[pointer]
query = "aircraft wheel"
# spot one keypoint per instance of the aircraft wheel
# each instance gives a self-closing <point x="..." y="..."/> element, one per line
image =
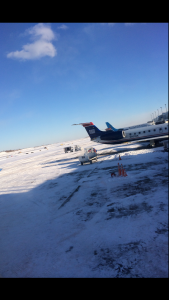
<point x="91" y="162"/>
<point x="81" y="163"/>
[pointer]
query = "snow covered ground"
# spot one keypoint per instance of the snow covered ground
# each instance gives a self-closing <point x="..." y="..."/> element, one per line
<point x="61" y="219"/>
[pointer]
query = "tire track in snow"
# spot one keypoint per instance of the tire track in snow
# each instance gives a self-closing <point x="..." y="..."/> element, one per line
<point x="77" y="188"/>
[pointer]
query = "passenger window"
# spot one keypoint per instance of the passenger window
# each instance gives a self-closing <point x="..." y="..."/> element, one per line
<point x="139" y="132"/>
<point x="143" y="131"/>
<point x="149" y="131"/>
<point x="154" y="129"/>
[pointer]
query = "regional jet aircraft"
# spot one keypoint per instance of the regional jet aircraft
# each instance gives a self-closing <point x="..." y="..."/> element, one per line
<point x="153" y="134"/>
<point x="110" y="127"/>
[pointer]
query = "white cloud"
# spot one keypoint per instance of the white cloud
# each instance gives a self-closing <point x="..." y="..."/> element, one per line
<point x="63" y="27"/>
<point x="42" y="34"/>
<point x="44" y="31"/>
<point x="35" y="50"/>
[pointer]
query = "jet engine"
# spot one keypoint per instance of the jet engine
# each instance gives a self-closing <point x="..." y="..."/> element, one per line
<point x="123" y="134"/>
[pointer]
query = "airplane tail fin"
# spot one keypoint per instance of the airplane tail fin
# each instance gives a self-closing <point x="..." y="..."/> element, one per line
<point x="94" y="132"/>
<point x="91" y="129"/>
<point x="111" y="127"/>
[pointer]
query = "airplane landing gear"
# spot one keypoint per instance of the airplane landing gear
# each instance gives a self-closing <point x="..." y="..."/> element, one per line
<point x="154" y="144"/>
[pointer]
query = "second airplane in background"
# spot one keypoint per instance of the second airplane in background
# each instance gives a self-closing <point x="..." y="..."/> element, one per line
<point x="110" y="127"/>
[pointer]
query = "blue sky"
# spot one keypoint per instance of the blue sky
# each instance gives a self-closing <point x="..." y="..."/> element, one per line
<point x="54" y="75"/>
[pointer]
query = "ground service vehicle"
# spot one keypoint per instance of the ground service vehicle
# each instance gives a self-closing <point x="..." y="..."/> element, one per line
<point x="90" y="154"/>
<point x="67" y="149"/>
<point x="78" y="148"/>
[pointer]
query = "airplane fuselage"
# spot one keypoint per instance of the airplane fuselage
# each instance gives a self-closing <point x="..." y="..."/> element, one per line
<point x="152" y="132"/>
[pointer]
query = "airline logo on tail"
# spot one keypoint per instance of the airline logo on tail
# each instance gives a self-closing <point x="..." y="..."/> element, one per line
<point x="91" y="131"/>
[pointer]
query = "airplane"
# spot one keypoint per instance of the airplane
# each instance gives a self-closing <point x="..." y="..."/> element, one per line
<point x="153" y="134"/>
<point x="110" y="127"/>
